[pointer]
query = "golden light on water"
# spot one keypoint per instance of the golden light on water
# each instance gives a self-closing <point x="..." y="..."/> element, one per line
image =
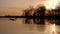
<point x="51" y="4"/>
<point x="53" y="27"/>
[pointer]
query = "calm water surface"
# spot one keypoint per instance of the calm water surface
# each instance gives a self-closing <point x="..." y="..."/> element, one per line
<point x="19" y="26"/>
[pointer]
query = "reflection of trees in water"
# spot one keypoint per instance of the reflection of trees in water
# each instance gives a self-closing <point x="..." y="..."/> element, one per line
<point x="38" y="21"/>
<point x="28" y="21"/>
<point x="52" y="21"/>
<point x="34" y="21"/>
<point x="42" y="21"/>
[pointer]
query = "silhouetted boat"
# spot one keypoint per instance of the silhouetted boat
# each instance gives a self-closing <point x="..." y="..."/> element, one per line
<point x="13" y="19"/>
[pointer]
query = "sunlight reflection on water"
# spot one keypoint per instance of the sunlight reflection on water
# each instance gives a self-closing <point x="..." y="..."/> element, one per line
<point x="18" y="27"/>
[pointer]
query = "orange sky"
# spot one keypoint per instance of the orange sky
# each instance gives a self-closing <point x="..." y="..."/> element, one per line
<point x="18" y="3"/>
<point x="15" y="6"/>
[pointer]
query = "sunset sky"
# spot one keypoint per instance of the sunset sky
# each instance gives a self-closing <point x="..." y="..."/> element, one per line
<point x="14" y="6"/>
<point x="18" y="3"/>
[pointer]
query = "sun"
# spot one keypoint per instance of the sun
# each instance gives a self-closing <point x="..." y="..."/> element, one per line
<point x="51" y="4"/>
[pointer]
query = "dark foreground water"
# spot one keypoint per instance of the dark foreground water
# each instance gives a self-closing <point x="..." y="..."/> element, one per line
<point x="28" y="26"/>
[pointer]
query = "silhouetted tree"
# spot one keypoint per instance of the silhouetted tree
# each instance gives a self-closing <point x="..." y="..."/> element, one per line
<point x="28" y="12"/>
<point x="40" y="11"/>
<point x="58" y="8"/>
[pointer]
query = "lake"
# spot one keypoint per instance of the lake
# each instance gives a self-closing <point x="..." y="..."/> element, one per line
<point x="28" y="26"/>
